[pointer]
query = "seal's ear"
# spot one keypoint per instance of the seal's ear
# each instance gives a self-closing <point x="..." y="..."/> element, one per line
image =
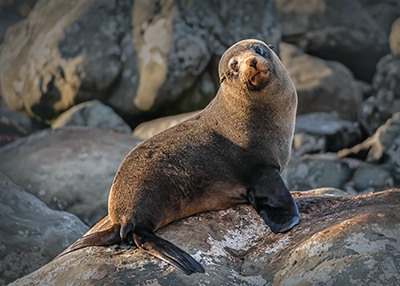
<point x="222" y="79"/>
<point x="271" y="46"/>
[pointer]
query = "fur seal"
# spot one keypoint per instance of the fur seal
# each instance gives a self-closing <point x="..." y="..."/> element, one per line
<point x="230" y="153"/>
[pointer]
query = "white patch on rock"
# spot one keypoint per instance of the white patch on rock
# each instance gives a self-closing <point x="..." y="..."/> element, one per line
<point x="248" y="280"/>
<point x="314" y="247"/>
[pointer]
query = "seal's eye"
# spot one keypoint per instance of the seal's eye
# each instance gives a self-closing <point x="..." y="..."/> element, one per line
<point x="260" y="51"/>
<point x="234" y="65"/>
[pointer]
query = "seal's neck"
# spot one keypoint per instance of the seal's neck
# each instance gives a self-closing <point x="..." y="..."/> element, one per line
<point x="246" y="119"/>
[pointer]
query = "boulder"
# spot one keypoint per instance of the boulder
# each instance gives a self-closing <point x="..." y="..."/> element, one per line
<point x="321" y="85"/>
<point x="13" y="125"/>
<point x="322" y="132"/>
<point x="365" y="88"/>
<point x="148" y="129"/>
<point x="375" y="110"/>
<point x="13" y="11"/>
<point x="337" y="30"/>
<point x="370" y="178"/>
<point x="382" y="147"/>
<point x="69" y="169"/>
<point x="138" y="56"/>
<point x="395" y="37"/>
<point x="93" y="114"/>
<point x="31" y="234"/>
<point x="384" y="12"/>
<point x="339" y="241"/>
<point x="316" y="171"/>
<point x="329" y="170"/>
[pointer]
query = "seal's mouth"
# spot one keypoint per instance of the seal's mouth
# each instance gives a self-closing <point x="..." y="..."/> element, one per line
<point x="258" y="79"/>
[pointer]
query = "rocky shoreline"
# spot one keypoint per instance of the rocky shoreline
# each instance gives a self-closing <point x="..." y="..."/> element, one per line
<point x="83" y="83"/>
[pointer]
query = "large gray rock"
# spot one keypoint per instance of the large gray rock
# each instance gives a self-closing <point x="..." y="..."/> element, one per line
<point x="384" y="12"/>
<point x="31" y="234"/>
<point x="385" y="101"/>
<point x="329" y="170"/>
<point x="93" y="114"/>
<point x="140" y="56"/>
<point x="321" y="85"/>
<point x="13" y="125"/>
<point x="148" y="129"/>
<point x="337" y="30"/>
<point x="339" y="241"/>
<point x="382" y="147"/>
<point x="13" y="11"/>
<point x="69" y="169"/>
<point x="316" y="171"/>
<point x="322" y="132"/>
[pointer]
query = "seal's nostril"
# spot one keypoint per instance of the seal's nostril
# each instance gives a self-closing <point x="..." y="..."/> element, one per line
<point x="253" y="63"/>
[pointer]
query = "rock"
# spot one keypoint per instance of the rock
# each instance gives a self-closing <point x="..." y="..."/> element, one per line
<point x="326" y="192"/>
<point x="395" y="37"/>
<point x="139" y="56"/>
<point x="150" y="128"/>
<point x="333" y="171"/>
<point x="323" y="132"/>
<point x="382" y="147"/>
<point x="31" y="234"/>
<point x="384" y="12"/>
<point x="13" y="11"/>
<point x="69" y="169"/>
<point x="93" y="114"/>
<point x="365" y="88"/>
<point x="337" y="30"/>
<point x="385" y="101"/>
<point x="370" y="178"/>
<point x="316" y="171"/>
<point x="13" y="125"/>
<point x="321" y="85"/>
<point x="339" y="241"/>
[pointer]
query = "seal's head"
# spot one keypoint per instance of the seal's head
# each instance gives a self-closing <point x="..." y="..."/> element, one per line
<point x="251" y="65"/>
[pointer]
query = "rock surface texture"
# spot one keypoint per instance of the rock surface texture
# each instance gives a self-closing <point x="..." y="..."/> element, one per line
<point x="92" y="114"/>
<point x="321" y="85"/>
<point x="337" y="30"/>
<point x="139" y="56"/>
<point x="31" y="234"/>
<point x="111" y="67"/>
<point x="13" y="125"/>
<point x="13" y="11"/>
<point x="69" y="169"/>
<point x="375" y="110"/>
<point x="339" y="241"/>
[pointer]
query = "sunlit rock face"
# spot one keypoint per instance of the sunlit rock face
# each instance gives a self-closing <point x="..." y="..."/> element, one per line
<point x="140" y="57"/>
<point x="339" y="240"/>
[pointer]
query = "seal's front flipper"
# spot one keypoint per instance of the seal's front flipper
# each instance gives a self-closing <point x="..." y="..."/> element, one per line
<point x="270" y="197"/>
<point x="164" y="250"/>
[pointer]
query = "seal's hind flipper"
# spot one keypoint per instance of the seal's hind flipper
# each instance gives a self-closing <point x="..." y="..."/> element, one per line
<point x="270" y="197"/>
<point x="99" y="238"/>
<point x="165" y="250"/>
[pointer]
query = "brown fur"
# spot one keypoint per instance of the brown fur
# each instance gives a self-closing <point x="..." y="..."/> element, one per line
<point x="232" y="152"/>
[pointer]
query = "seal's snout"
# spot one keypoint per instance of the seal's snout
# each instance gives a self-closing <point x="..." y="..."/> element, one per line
<point x="252" y="62"/>
<point x="255" y="71"/>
